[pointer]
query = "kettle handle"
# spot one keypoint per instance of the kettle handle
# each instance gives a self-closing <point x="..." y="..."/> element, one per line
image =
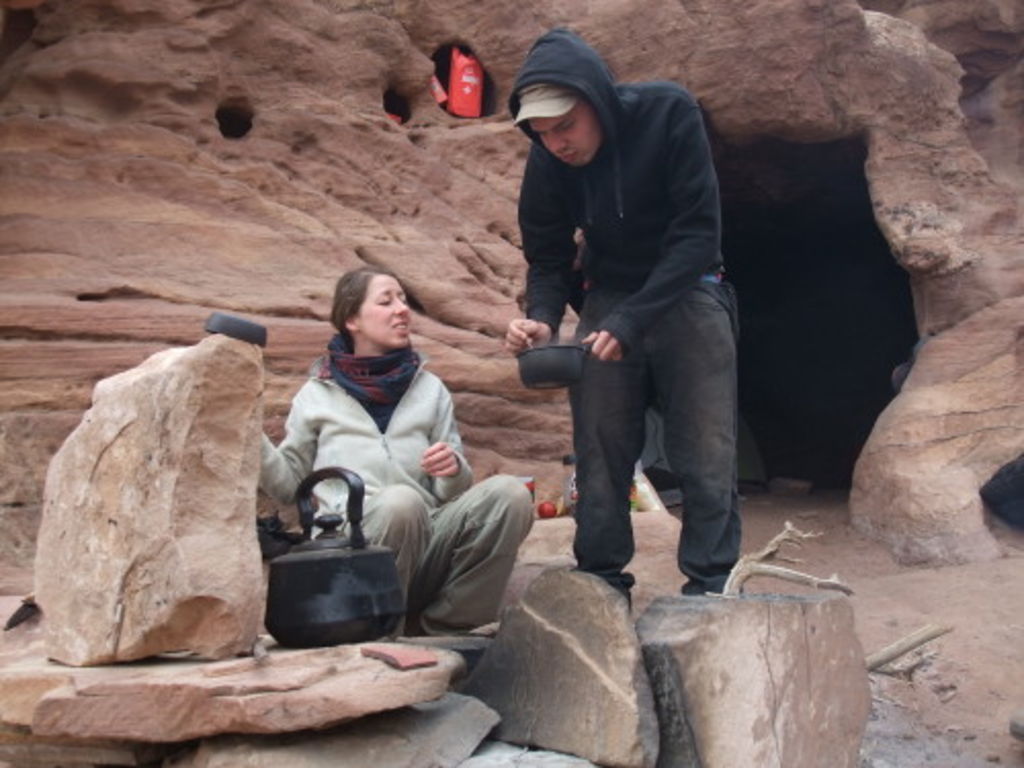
<point x="353" y="510"/>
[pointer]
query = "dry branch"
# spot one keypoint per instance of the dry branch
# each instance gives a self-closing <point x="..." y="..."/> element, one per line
<point x="790" y="534"/>
<point x="754" y="565"/>
<point x="743" y="572"/>
<point x="905" y="645"/>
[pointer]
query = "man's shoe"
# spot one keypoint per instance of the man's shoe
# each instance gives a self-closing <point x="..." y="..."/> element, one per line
<point x="694" y="588"/>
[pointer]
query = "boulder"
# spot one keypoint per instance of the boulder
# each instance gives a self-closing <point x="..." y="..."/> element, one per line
<point x="916" y="483"/>
<point x="773" y="681"/>
<point x="150" y="507"/>
<point x="566" y="674"/>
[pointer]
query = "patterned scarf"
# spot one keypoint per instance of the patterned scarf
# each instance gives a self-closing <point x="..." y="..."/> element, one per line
<point x="378" y="383"/>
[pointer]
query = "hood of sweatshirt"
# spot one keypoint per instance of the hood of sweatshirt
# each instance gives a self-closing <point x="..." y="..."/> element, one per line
<point x="561" y="57"/>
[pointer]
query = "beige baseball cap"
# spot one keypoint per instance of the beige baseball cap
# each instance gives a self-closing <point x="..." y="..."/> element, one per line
<point x="544" y="100"/>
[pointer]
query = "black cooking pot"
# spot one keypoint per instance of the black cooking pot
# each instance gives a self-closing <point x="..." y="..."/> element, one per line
<point x="330" y="590"/>
<point x="554" y="365"/>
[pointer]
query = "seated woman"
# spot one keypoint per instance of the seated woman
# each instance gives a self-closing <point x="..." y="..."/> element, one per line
<point x="370" y="406"/>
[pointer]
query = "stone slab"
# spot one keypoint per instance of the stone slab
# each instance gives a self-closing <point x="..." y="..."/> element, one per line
<point x="170" y="700"/>
<point x="21" y="748"/>
<point x="436" y="734"/>
<point x="566" y="674"/>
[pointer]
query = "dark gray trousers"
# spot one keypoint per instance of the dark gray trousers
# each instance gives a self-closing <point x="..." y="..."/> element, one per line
<point x="685" y="367"/>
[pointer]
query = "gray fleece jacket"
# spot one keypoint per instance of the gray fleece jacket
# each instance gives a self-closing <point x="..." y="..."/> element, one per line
<point x="328" y="427"/>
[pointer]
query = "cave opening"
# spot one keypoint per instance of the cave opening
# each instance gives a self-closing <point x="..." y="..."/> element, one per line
<point x="16" y="27"/>
<point x="826" y="313"/>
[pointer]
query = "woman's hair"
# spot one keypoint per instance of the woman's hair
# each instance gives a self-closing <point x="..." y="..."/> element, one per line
<point x="349" y="295"/>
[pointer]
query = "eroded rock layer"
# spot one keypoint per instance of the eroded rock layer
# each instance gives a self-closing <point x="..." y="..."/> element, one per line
<point x="162" y="160"/>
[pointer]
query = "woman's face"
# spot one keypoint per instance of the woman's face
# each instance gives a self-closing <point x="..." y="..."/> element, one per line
<point x="382" y="323"/>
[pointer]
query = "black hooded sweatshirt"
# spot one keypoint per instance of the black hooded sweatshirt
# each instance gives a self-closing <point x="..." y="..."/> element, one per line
<point x="647" y="203"/>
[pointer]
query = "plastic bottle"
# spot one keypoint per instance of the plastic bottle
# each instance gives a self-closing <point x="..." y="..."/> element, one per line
<point x="646" y="497"/>
<point x="569" y="494"/>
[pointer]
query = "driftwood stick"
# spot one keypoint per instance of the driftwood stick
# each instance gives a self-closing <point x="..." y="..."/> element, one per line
<point x="754" y="565"/>
<point x="910" y="642"/>
<point x="744" y="571"/>
<point x="790" y="534"/>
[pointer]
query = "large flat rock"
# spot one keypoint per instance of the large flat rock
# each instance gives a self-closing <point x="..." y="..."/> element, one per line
<point x="436" y="734"/>
<point x="167" y="700"/>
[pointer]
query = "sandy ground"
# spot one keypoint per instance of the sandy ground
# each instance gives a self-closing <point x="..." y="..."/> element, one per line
<point x="952" y="707"/>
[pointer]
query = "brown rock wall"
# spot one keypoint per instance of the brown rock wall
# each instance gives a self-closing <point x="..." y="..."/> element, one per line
<point x="126" y="215"/>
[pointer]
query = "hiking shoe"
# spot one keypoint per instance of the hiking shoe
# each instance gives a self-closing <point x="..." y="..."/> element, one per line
<point x="1017" y="724"/>
<point x="694" y="588"/>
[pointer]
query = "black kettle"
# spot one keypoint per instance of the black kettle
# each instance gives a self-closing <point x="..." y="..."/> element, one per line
<point x="330" y="590"/>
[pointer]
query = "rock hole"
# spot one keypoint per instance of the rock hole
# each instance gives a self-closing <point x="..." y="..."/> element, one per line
<point x="234" y="119"/>
<point x="466" y="88"/>
<point x="396" y="106"/>
<point x="119" y="292"/>
<point x="16" y="28"/>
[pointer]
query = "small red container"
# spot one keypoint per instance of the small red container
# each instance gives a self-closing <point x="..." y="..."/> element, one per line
<point x="465" y="85"/>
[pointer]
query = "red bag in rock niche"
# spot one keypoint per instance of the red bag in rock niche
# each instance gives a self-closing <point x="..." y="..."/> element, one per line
<point x="465" y="85"/>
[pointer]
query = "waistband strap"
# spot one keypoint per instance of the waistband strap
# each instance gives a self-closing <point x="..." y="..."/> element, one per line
<point x="709" y="277"/>
<point x="712" y="277"/>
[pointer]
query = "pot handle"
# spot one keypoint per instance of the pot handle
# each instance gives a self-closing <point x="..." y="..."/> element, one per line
<point x="353" y="510"/>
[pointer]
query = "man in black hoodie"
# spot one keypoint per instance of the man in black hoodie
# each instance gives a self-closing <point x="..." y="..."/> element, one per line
<point x="629" y="166"/>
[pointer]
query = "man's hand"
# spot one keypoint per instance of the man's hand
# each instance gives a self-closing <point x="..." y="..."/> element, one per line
<point x="439" y="460"/>
<point x="604" y="346"/>
<point x="523" y="334"/>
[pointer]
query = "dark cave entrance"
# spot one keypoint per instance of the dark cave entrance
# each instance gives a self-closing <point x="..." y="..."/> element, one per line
<point x="825" y="311"/>
<point x="16" y="27"/>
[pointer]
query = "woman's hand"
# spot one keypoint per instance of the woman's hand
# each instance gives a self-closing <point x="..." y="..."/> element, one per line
<point x="523" y="333"/>
<point x="439" y="460"/>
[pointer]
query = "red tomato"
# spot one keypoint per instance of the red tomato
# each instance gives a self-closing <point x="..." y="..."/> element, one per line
<point x="546" y="509"/>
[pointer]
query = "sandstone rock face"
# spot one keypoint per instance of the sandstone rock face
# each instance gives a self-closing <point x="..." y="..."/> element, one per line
<point x="147" y="542"/>
<point x="986" y="38"/>
<point x="773" y="681"/>
<point x="916" y="484"/>
<point x="568" y="654"/>
<point x="160" y="161"/>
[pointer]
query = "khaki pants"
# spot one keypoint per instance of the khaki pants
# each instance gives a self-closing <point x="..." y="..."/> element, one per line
<point x="454" y="561"/>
